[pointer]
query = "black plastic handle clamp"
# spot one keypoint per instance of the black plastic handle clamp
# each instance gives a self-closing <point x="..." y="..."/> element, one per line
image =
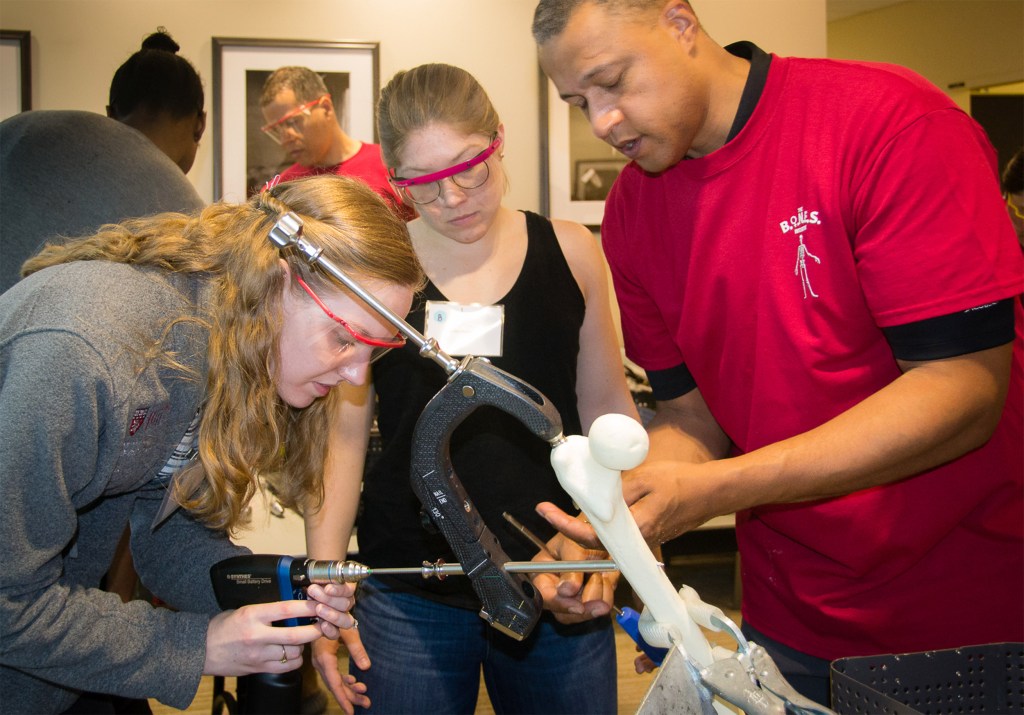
<point x="509" y="601"/>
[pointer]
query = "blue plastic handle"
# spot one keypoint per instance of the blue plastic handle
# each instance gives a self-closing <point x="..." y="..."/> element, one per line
<point x="630" y="622"/>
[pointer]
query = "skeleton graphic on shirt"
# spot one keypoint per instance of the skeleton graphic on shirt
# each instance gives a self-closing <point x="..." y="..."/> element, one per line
<point x="797" y="224"/>
<point x="802" y="252"/>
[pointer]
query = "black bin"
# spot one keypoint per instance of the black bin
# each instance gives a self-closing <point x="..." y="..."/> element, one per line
<point x="982" y="679"/>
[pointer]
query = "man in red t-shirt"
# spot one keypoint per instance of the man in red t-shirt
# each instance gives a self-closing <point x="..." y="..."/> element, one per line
<point x="814" y="267"/>
<point x="301" y="117"/>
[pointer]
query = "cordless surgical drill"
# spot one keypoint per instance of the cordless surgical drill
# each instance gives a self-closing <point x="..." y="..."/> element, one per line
<point x="265" y="578"/>
<point x="243" y="580"/>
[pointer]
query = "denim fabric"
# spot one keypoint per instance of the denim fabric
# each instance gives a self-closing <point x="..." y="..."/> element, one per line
<point x="426" y="658"/>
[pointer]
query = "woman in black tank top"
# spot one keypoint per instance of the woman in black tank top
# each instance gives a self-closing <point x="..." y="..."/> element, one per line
<point x="532" y="296"/>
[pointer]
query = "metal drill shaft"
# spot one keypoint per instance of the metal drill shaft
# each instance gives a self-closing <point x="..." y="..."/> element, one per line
<point x="441" y="569"/>
<point x="336" y="571"/>
<point x="525" y="531"/>
<point x="352" y="571"/>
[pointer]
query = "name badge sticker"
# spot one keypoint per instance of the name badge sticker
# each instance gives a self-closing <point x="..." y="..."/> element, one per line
<point x="461" y="330"/>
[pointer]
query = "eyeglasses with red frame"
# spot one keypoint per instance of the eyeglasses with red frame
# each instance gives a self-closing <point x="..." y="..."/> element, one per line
<point x="380" y="345"/>
<point x="295" y="120"/>
<point x="470" y="174"/>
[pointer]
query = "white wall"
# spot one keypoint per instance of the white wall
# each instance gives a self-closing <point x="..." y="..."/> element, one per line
<point x="78" y="44"/>
<point x="950" y="42"/>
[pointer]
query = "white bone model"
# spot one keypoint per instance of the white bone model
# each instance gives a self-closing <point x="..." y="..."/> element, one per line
<point x="589" y="470"/>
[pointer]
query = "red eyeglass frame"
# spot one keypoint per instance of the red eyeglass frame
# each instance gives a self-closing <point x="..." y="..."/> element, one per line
<point x="294" y="113"/>
<point x="480" y="158"/>
<point x="395" y="342"/>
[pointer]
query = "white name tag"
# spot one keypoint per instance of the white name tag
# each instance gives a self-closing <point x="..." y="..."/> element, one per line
<point x="465" y="329"/>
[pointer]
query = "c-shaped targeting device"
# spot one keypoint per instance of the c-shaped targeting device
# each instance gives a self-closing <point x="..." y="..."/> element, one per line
<point x="508" y="600"/>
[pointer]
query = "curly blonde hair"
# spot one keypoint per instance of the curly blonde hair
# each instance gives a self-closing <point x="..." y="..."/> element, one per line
<point x="246" y="429"/>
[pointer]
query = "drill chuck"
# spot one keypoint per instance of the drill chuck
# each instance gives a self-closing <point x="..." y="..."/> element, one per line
<point x="336" y="571"/>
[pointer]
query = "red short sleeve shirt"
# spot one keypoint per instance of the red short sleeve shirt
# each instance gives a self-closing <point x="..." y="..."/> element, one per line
<point x="857" y="197"/>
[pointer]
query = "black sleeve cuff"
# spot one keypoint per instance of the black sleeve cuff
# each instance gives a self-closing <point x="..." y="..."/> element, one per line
<point x="968" y="331"/>
<point x="671" y="383"/>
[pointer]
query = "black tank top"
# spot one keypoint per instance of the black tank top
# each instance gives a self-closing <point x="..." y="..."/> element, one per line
<point x="502" y="465"/>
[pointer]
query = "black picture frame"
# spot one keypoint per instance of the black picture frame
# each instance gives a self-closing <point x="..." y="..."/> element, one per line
<point x="16" y="61"/>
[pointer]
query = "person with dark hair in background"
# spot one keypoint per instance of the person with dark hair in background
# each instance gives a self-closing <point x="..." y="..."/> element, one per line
<point x="302" y="117"/>
<point x="64" y="173"/>
<point x="1013" y="192"/>
<point x="159" y="93"/>
<point x="814" y="267"/>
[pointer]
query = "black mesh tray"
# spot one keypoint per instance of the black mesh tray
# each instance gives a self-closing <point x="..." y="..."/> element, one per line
<point x="983" y="679"/>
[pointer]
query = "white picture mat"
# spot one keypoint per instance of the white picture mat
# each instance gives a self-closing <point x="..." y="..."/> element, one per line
<point x="560" y="178"/>
<point x="10" y="78"/>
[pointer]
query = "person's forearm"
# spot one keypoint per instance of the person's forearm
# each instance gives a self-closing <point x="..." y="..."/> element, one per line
<point x="934" y="413"/>
<point x="683" y="430"/>
<point x="610" y="398"/>
<point x="600" y="377"/>
<point x="329" y="527"/>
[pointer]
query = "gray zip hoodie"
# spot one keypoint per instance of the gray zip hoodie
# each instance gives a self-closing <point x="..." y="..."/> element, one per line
<point x="87" y="419"/>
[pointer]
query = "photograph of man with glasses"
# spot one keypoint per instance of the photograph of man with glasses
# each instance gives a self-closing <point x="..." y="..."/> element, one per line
<point x="303" y="119"/>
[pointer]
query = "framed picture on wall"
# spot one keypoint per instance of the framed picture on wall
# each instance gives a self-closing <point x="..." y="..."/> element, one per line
<point x="244" y="157"/>
<point x="593" y="178"/>
<point x="577" y="168"/>
<point x="15" y="72"/>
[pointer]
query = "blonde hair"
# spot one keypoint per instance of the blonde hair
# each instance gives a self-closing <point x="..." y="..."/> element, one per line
<point x="246" y="429"/>
<point x="431" y="93"/>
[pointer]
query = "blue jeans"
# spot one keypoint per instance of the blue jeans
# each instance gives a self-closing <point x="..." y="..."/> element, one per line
<point x="426" y="658"/>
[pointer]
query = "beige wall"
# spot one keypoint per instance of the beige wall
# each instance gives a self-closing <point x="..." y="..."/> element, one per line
<point x="77" y="45"/>
<point x="950" y="42"/>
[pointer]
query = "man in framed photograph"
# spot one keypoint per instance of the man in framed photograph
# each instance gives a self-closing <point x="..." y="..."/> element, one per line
<point x="302" y="117"/>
